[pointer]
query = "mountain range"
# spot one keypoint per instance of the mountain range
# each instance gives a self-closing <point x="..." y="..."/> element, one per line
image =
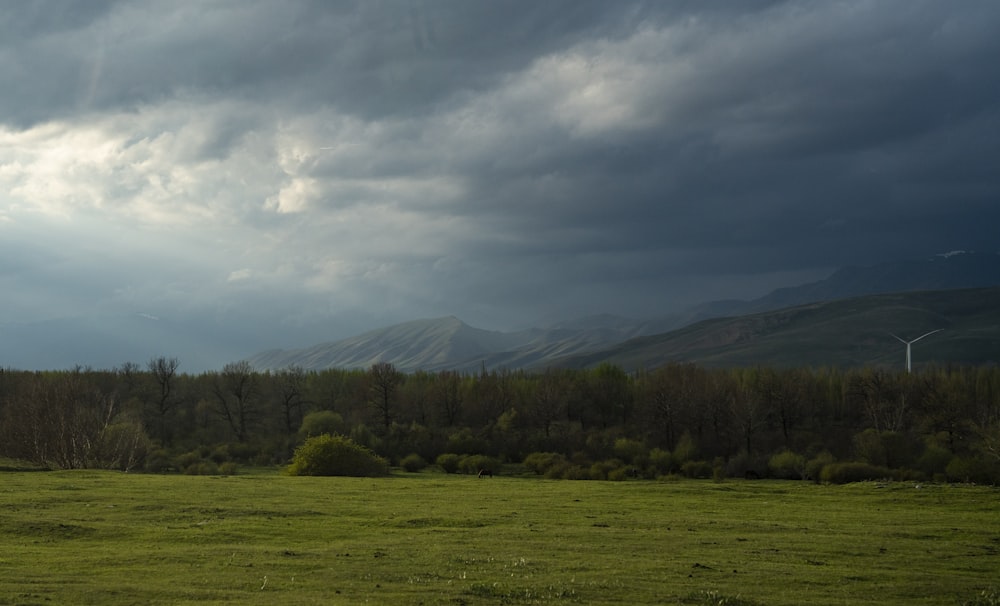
<point x="845" y="319"/>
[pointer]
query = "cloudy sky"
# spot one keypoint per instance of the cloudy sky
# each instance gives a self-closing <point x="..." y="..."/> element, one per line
<point x="294" y="172"/>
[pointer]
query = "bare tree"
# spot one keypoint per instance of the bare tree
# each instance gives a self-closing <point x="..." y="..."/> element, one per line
<point x="494" y="394"/>
<point x="236" y="393"/>
<point x="448" y="396"/>
<point x="129" y="373"/>
<point x="383" y="380"/>
<point x="292" y="382"/>
<point x="164" y="372"/>
<point x="551" y="395"/>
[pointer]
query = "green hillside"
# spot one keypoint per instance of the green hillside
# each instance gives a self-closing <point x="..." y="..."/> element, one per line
<point x="848" y="332"/>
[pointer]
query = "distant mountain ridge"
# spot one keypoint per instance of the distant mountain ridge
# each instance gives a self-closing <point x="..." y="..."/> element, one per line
<point x="443" y="343"/>
<point x="952" y="270"/>
<point x="206" y="343"/>
<point x="844" y="332"/>
<point x="449" y="343"/>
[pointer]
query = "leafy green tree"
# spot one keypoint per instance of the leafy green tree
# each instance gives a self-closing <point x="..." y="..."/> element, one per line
<point x="321" y="422"/>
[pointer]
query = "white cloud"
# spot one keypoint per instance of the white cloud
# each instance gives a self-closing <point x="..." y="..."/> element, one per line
<point x="239" y="275"/>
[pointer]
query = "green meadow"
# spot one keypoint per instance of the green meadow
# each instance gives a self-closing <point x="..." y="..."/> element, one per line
<point x="97" y="537"/>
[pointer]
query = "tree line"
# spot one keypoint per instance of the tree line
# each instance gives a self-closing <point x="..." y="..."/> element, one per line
<point x="938" y="423"/>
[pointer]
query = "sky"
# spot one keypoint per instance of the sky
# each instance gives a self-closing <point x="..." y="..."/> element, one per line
<point x="278" y="174"/>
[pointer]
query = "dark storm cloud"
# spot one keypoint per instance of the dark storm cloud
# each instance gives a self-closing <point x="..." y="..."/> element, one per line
<point x="319" y="160"/>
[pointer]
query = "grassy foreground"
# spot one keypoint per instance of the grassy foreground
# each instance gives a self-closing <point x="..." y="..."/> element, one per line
<point x="89" y="537"/>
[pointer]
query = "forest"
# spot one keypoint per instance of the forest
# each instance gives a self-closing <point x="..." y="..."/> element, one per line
<point x="823" y="424"/>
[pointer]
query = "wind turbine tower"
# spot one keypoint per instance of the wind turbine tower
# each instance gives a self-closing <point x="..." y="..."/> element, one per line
<point x="909" y="343"/>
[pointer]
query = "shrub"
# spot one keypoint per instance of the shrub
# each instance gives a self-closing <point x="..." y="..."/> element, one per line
<point x="631" y="451"/>
<point x="814" y="467"/>
<point x="465" y="442"/>
<point x="448" y="462"/>
<point x="971" y="469"/>
<point x="719" y="470"/>
<point x="686" y="449"/>
<point x="869" y="448"/>
<point x="601" y="469"/>
<point x="228" y="468"/>
<point x="620" y="474"/>
<point x="697" y="469"/>
<point x="122" y="446"/>
<point x="739" y="465"/>
<point x="472" y="464"/>
<point x="934" y="460"/>
<point x="574" y="472"/>
<point x="661" y="460"/>
<point x="327" y="455"/>
<point x="844" y="473"/>
<point x="787" y="465"/>
<point x="220" y="454"/>
<point x="564" y="470"/>
<point x="183" y="461"/>
<point x="413" y="463"/>
<point x="159" y="461"/>
<point x="541" y="462"/>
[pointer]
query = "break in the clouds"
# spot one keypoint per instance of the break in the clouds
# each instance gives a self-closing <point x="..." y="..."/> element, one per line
<point x="290" y="172"/>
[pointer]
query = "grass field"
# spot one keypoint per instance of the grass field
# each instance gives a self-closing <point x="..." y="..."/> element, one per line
<point x="89" y="537"/>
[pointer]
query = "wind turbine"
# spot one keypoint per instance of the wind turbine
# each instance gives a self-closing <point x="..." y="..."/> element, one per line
<point x="909" y="343"/>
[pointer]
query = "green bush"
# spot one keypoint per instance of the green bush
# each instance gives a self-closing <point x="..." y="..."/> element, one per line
<point x="686" y="449"/>
<point x="464" y="441"/>
<point x="448" y="462"/>
<point x="188" y="459"/>
<point x="661" y="460"/>
<point x="869" y="448"/>
<point x="159" y="461"/>
<point x="327" y="455"/>
<point x="738" y="466"/>
<point x="573" y="472"/>
<point x="565" y="470"/>
<point x="633" y="452"/>
<point x="620" y="474"/>
<point x="787" y="465"/>
<point x="413" y="463"/>
<point x="601" y="469"/>
<point x="541" y="462"/>
<point x="473" y="464"/>
<point x="845" y="473"/>
<point x="974" y="470"/>
<point x="934" y="460"/>
<point x="814" y="468"/>
<point x="228" y="468"/>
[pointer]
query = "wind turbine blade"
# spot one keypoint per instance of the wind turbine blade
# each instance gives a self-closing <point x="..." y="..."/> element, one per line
<point x="900" y="340"/>
<point x="926" y="335"/>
